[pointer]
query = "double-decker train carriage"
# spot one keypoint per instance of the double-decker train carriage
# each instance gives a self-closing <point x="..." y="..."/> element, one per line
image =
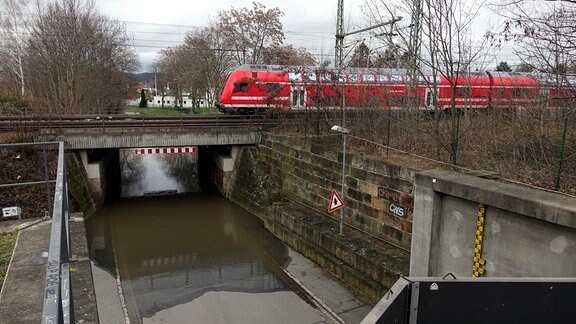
<point x="257" y="88"/>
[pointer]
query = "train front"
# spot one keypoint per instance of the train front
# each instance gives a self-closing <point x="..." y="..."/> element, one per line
<point x="254" y="89"/>
<point x="226" y="105"/>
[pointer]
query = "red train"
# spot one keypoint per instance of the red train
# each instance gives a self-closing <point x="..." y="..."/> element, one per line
<point x="257" y="88"/>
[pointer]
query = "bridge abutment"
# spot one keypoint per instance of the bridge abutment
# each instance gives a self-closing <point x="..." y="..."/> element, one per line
<point x="225" y="162"/>
<point x="101" y="167"/>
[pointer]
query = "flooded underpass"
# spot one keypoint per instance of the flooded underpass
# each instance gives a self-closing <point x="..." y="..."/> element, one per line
<point x="184" y="255"/>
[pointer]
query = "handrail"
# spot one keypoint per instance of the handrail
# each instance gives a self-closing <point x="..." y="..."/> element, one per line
<point x="58" y="306"/>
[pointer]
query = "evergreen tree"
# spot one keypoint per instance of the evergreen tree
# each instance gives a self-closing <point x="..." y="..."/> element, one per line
<point x="503" y="67"/>
<point x="361" y="57"/>
<point x="143" y="101"/>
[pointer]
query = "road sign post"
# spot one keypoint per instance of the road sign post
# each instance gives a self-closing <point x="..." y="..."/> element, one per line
<point x="342" y="131"/>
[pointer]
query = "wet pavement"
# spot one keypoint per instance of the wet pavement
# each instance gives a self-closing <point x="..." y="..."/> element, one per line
<point x="21" y="299"/>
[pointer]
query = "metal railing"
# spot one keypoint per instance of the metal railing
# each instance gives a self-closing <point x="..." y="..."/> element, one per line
<point x="58" y="306"/>
<point x="46" y="181"/>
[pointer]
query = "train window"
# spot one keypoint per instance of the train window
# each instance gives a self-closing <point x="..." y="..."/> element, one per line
<point x="325" y="77"/>
<point x="273" y="88"/>
<point x="516" y="92"/>
<point x="331" y="101"/>
<point x="464" y="91"/>
<point x="316" y="100"/>
<point x="311" y="76"/>
<point x="396" y="79"/>
<point x="501" y="92"/>
<point x="241" y="87"/>
<point x="302" y="98"/>
<point x="294" y="76"/>
<point x="369" y="78"/>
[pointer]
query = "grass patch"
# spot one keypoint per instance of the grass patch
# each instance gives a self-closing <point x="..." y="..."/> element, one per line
<point x="7" y="242"/>
<point x="153" y="111"/>
<point x="171" y="111"/>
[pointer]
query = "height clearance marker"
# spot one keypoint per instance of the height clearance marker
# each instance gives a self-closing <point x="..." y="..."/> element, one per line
<point x="165" y="150"/>
<point x="335" y="202"/>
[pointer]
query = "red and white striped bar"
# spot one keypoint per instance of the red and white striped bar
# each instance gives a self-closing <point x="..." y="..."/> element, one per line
<point x="165" y="150"/>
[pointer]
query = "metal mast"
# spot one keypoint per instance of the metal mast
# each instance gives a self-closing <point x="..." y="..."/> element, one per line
<point x="415" y="43"/>
<point x="339" y="48"/>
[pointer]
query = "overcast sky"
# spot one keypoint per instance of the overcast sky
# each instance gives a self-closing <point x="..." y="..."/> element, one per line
<point x="154" y="24"/>
<point x="157" y="24"/>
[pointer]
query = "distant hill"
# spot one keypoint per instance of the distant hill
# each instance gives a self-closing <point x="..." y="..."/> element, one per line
<point x="142" y="77"/>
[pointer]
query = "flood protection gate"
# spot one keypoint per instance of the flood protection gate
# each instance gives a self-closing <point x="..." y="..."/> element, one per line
<point x="483" y="300"/>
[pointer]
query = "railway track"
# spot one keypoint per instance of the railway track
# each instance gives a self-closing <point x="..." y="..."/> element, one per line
<point x="54" y="123"/>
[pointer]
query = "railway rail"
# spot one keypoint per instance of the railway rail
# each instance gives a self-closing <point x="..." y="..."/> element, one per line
<point x="55" y="123"/>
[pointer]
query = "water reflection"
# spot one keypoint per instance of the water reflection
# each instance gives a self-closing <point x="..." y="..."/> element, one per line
<point x="157" y="174"/>
<point x="177" y="249"/>
<point x="190" y="258"/>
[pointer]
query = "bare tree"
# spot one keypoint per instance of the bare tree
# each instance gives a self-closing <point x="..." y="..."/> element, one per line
<point x="439" y="40"/>
<point x="197" y="67"/>
<point x="206" y="53"/>
<point x="172" y="74"/>
<point x="546" y="36"/>
<point x="13" y="26"/>
<point x="77" y="59"/>
<point x="287" y="55"/>
<point x="249" y="31"/>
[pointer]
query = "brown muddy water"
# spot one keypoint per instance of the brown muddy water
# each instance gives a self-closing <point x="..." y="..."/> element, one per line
<point x="189" y="256"/>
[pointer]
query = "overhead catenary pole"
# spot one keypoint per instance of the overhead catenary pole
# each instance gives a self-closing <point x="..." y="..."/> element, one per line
<point x="339" y="48"/>
<point x="415" y="40"/>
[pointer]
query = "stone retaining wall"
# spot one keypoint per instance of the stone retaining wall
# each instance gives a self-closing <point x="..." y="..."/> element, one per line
<point x="379" y="195"/>
<point x="287" y="182"/>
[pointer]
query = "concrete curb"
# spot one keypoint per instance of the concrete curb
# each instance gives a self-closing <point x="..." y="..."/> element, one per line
<point x="316" y="300"/>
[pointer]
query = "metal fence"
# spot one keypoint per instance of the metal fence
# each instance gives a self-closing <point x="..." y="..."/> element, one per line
<point x="46" y="181"/>
<point x="57" y="305"/>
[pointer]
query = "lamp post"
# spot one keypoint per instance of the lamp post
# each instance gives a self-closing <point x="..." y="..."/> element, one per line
<point x="343" y="131"/>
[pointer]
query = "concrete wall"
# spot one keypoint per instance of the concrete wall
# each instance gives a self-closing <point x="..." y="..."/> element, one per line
<point x="524" y="232"/>
<point x="100" y="173"/>
<point x="141" y="137"/>
<point x="226" y="168"/>
<point x="78" y="185"/>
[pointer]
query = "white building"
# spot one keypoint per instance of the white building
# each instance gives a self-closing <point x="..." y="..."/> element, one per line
<point x="169" y="102"/>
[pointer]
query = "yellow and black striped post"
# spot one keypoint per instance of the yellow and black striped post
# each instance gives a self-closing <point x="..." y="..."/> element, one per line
<point x="478" y="266"/>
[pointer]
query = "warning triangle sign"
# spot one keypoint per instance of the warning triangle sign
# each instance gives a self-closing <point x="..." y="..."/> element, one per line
<point x="335" y="202"/>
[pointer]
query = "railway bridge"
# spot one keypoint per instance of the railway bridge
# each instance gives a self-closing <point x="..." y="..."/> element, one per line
<point x="98" y="138"/>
